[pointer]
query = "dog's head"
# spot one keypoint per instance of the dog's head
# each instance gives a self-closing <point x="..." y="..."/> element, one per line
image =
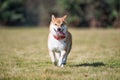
<point x="57" y="26"/>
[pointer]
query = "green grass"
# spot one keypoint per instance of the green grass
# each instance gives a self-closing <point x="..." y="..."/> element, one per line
<point x="95" y="55"/>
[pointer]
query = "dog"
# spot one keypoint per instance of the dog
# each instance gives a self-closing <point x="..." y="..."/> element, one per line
<point x="59" y="41"/>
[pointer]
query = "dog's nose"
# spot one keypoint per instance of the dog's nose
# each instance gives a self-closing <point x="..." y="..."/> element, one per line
<point x="59" y="29"/>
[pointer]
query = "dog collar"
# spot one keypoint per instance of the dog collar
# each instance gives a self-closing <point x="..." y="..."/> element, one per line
<point x="59" y="37"/>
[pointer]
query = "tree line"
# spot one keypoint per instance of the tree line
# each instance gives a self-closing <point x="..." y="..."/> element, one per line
<point x="81" y="13"/>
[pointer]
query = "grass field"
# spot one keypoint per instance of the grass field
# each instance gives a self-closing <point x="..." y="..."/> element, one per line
<point x="95" y="55"/>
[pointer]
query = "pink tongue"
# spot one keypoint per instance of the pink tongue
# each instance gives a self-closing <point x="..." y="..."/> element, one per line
<point x="61" y="33"/>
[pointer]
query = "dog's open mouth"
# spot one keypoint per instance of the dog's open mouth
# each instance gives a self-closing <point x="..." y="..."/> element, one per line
<point x="60" y="33"/>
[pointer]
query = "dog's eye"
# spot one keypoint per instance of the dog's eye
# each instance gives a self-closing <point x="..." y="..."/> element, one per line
<point x="62" y="24"/>
<point x="56" y="24"/>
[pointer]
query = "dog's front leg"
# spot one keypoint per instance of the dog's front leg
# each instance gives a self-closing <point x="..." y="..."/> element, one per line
<point x="65" y="59"/>
<point x="60" y="61"/>
<point x="52" y="56"/>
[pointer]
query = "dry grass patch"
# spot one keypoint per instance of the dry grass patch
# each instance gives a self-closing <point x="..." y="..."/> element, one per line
<point x="95" y="55"/>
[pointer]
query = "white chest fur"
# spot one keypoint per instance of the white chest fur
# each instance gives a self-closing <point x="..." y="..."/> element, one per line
<point x="56" y="45"/>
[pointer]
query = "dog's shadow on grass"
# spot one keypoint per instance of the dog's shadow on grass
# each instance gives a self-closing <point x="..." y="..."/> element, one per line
<point x="94" y="64"/>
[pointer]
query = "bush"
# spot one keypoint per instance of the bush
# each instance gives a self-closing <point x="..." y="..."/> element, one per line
<point x="11" y="12"/>
<point x="98" y="13"/>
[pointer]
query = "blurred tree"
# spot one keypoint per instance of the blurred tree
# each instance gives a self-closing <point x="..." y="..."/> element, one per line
<point x="47" y="8"/>
<point x="116" y="13"/>
<point x="26" y="12"/>
<point x="93" y="13"/>
<point x="11" y="12"/>
<point x="32" y="12"/>
<point x="106" y="12"/>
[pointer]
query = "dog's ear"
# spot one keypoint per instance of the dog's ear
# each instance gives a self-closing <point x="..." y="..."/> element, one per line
<point x="64" y="17"/>
<point x="53" y="17"/>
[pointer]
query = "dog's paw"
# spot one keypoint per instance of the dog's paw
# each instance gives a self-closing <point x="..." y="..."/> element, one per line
<point x="62" y="65"/>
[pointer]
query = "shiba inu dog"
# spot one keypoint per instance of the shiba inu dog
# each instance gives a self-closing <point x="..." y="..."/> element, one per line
<point x="59" y="41"/>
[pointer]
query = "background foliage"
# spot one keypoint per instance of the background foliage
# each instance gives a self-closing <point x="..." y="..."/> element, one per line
<point x="86" y="13"/>
<point x="91" y="12"/>
<point x="11" y="12"/>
